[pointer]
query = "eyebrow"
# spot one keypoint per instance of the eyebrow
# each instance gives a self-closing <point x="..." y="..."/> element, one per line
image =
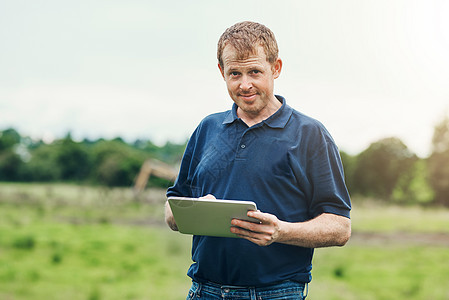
<point x="250" y="68"/>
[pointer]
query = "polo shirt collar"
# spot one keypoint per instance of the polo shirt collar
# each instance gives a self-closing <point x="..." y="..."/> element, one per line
<point x="278" y="120"/>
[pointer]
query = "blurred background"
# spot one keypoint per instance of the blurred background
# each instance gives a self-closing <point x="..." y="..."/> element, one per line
<point x="98" y="99"/>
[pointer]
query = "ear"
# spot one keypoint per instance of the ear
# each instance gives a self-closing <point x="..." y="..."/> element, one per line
<point x="221" y="70"/>
<point x="277" y="67"/>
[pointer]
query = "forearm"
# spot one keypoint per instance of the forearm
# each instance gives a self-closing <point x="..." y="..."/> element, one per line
<point x="169" y="219"/>
<point x="323" y="231"/>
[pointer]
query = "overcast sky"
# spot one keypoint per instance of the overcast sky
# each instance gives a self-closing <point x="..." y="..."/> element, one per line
<point x="148" y="69"/>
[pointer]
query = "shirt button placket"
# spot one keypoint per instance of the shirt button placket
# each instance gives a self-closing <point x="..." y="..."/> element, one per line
<point x="242" y="147"/>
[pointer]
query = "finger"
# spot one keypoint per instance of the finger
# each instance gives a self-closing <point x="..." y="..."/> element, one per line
<point x="250" y="226"/>
<point x="262" y="217"/>
<point x="254" y="230"/>
<point x="247" y="234"/>
<point x="254" y="237"/>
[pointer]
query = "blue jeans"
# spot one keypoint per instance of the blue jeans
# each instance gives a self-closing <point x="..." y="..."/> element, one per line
<point x="211" y="291"/>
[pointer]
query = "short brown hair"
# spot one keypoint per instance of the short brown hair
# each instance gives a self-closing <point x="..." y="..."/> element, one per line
<point x="245" y="37"/>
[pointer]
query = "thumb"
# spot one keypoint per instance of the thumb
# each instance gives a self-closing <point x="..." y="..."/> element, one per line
<point x="257" y="214"/>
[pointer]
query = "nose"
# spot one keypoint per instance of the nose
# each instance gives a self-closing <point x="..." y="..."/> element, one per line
<point x="245" y="83"/>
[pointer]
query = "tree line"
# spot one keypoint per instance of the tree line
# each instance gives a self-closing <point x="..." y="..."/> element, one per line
<point x="101" y="162"/>
<point x="387" y="170"/>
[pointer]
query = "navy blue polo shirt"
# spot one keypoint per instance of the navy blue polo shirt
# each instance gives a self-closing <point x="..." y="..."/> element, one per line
<point x="287" y="164"/>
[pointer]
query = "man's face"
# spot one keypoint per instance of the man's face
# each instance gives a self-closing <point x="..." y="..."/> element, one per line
<point x="250" y="81"/>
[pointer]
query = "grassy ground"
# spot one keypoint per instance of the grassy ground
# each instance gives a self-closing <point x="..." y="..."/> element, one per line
<point x="71" y="242"/>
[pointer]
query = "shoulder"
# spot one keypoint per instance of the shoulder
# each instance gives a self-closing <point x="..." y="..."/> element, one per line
<point x="309" y="127"/>
<point x="305" y="120"/>
<point x="212" y="122"/>
<point x="209" y="126"/>
<point x="215" y="118"/>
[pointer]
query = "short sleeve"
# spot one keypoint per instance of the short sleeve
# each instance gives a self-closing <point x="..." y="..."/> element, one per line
<point x="329" y="193"/>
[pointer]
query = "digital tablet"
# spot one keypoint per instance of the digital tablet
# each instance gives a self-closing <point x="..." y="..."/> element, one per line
<point x="210" y="217"/>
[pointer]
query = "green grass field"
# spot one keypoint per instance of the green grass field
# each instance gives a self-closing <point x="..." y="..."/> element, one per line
<point x="69" y="242"/>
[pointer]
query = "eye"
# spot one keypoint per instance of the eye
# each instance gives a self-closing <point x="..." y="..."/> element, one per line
<point x="255" y="72"/>
<point x="234" y="74"/>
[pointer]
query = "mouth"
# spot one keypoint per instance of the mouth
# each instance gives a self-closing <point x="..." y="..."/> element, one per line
<point x="248" y="98"/>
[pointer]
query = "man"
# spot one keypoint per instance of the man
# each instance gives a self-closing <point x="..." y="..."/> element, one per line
<point x="264" y="151"/>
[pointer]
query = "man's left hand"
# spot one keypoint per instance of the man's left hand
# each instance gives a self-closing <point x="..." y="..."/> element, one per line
<point x="265" y="233"/>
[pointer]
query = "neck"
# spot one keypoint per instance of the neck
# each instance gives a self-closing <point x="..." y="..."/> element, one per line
<point x="252" y="118"/>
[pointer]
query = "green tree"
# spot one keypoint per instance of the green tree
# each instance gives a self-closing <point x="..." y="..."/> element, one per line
<point x="169" y="153"/>
<point x="379" y="167"/>
<point x="349" y="165"/>
<point x="10" y="161"/>
<point x="10" y="165"/>
<point x="9" y="138"/>
<point x="438" y="165"/>
<point x="413" y="187"/>
<point x="73" y="159"/>
<point x="43" y="165"/>
<point x="116" y="163"/>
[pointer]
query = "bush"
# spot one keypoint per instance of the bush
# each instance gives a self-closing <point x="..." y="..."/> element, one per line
<point x="24" y="242"/>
